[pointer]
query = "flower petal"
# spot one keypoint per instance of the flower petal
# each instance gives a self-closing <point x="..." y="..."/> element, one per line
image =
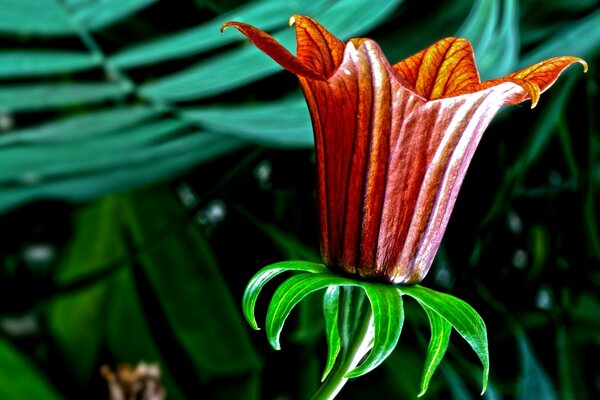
<point x="319" y="52"/>
<point x="441" y="70"/>
<point x="535" y="79"/>
<point x="317" y="47"/>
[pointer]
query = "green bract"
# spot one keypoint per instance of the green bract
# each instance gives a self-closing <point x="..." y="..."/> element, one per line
<point x="386" y="317"/>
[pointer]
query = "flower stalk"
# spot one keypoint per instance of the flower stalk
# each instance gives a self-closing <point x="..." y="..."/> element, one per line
<point x="356" y="336"/>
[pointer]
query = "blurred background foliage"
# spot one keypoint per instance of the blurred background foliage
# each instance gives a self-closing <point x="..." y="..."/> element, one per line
<point x="150" y="165"/>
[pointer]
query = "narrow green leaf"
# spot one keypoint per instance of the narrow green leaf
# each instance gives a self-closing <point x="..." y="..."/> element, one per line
<point x="388" y="318"/>
<point x="267" y="13"/>
<point x="460" y="315"/>
<point x="438" y="344"/>
<point x="36" y="63"/>
<point x="27" y="97"/>
<point x="532" y="379"/>
<point x="20" y="379"/>
<point x="290" y="293"/>
<point x="479" y="26"/>
<point x="331" y="306"/>
<point x="34" y="17"/>
<point x="164" y="161"/>
<point x="124" y="312"/>
<point x="182" y="272"/>
<point x="244" y="65"/>
<point x="78" y="127"/>
<point x="262" y="277"/>
<point x="76" y="319"/>
<point x="569" y="38"/>
<point x="105" y="152"/>
<point x="494" y="36"/>
<point x="283" y="123"/>
<point x="95" y="15"/>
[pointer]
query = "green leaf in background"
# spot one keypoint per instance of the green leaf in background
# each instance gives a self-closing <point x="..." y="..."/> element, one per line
<point x="34" y="17"/>
<point x="21" y="64"/>
<point x="75" y="319"/>
<point x="85" y="173"/>
<point x="168" y="159"/>
<point x="207" y="36"/>
<point x="96" y="15"/>
<point x="184" y="276"/>
<point x="79" y="127"/>
<point x="128" y="335"/>
<point x="241" y="66"/>
<point x="28" y="97"/>
<point x="581" y="39"/>
<point x="533" y="380"/>
<point x="288" y="126"/>
<point x="461" y="316"/>
<point x="20" y="379"/>
<point x="492" y="28"/>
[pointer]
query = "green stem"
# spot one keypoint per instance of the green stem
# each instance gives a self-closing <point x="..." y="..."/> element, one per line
<point x="356" y="333"/>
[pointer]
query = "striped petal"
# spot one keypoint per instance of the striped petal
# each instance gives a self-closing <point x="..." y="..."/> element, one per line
<point x="393" y="143"/>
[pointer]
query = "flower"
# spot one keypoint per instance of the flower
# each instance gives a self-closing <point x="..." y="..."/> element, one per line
<point x="393" y="142"/>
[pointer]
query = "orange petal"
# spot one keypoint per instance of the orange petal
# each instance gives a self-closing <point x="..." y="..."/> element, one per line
<point x="319" y="52"/>
<point x="535" y="79"/>
<point x="443" y="69"/>
<point x="316" y="46"/>
<point x="268" y="45"/>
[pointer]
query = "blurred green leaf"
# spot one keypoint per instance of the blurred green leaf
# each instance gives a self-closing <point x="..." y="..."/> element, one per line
<point x="60" y="18"/>
<point x="269" y="14"/>
<point x="98" y="14"/>
<point x="128" y="335"/>
<point x="494" y="36"/>
<point x="238" y="67"/>
<point x="284" y="123"/>
<point x="20" y="379"/>
<point x="184" y="275"/>
<point x="168" y="159"/>
<point x="34" y="17"/>
<point x="20" y="63"/>
<point x="79" y="127"/>
<point x="104" y="152"/>
<point x="533" y="380"/>
<point x="581" y="38"/>
<point x="22" y="97"/>
<point x="76" y="319"/>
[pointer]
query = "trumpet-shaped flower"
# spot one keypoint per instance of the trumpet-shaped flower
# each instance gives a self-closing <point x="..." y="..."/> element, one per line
<point x="393" y="142"/>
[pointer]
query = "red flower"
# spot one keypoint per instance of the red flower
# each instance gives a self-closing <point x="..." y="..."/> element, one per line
<point x="393" y="142"/>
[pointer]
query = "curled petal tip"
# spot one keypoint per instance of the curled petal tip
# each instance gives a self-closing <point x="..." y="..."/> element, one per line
<point x="225" y="26"/>
<point x="292" y="20"/>
<point x="585" y="65"/>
